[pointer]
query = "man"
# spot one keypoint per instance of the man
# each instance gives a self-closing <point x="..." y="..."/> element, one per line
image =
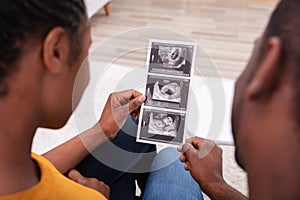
<point x="265" y="119"/>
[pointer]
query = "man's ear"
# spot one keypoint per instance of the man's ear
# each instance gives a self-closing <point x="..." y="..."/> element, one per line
<point x="56" y="50"/>
<point x="267" y="76"/>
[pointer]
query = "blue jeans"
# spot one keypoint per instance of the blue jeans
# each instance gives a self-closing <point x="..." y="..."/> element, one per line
<point x="171" y="182"/>
<point x="122" y="162"/>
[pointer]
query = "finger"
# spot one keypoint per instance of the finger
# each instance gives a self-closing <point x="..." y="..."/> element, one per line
<point x="179" y="149"/>
<point x="186" y="167"/>
<point x="137" y="112"/>
<point x="182" y="158"/>
<point x="185" y="147"/>
<point x="103" y="184"/>
<point x="136" y="93"/>
<point x="136" y="103"/>
<point x="190" y="140"/>
<point x="197" y="142"/>
<point x="126" y="94"/>
<point x="106" y="189"/>
<point x="77" y="177"/>
<point x="182" y="147"/>
<point x="129" y="108"/>
<point x="189" y="151"/>
<point x="129" y="94"/>
<point x="135" y="117"/>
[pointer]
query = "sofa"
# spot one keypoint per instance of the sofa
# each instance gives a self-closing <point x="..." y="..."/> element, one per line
<point x="94" y="5"/>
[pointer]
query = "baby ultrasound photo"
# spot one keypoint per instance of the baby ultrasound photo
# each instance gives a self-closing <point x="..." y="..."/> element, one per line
<point x="163" y="124"/>
<point x="167" y="92"/>
<point x="171" y="91"/>
<point x="171" y="59"/>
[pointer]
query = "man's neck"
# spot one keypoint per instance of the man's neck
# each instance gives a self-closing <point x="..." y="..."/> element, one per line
<point x="274" y="162"/>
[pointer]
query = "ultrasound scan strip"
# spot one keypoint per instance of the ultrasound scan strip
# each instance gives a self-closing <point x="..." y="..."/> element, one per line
<point x="168" y="84"/>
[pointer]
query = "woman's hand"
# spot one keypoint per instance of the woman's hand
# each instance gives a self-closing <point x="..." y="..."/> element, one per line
<point x="118" y="106"/>
<point x="90" y="182"/>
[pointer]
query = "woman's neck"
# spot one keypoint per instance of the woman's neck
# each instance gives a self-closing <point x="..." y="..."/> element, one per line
<point x="18" y="123"/>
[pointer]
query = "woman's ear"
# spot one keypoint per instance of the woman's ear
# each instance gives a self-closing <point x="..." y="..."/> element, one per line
<point x="267" y="76"/>
<point x="56" y="49"/>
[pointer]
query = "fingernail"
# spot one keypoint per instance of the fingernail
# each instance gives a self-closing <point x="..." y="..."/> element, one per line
<point x="180" y="148"/>
<point x="142" y="98"/>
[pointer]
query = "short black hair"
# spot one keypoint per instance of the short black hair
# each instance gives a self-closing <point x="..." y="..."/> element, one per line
<point x="285" y="24"/>
<point x="21" y="19"/>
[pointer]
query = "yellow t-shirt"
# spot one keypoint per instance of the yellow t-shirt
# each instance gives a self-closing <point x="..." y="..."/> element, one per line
<point x="54" y="186"/>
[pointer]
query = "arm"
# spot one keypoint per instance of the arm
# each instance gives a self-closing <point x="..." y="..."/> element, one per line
<point x="223" y="191"/>
<point x="118" y="107"/>
<point x="203" y="159"/>
<point x="67" y="155"/>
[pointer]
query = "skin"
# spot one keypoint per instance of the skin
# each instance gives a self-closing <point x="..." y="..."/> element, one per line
<point x="265" y="131"/>
<point x="40" y="95"/>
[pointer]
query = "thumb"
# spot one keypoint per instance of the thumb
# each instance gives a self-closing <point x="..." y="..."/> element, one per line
<point x="189" y="151"/>
<point x="77" y="177"/>
<point x="135" y="103"/>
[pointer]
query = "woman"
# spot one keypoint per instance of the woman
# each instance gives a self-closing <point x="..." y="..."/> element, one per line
<point x="40" y="56"/>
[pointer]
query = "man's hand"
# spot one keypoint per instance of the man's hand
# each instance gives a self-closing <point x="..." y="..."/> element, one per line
<point x="90" y="182"/>
<point x="203" y="158"/>
<point x="118" y="106"/>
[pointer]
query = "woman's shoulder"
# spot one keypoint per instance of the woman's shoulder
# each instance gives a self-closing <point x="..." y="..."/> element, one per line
<point x="54" y="185"/>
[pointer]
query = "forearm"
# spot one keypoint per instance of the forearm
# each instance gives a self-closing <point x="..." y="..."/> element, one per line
<point x="223" y="191"/>
<point x="69" y="154"/>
